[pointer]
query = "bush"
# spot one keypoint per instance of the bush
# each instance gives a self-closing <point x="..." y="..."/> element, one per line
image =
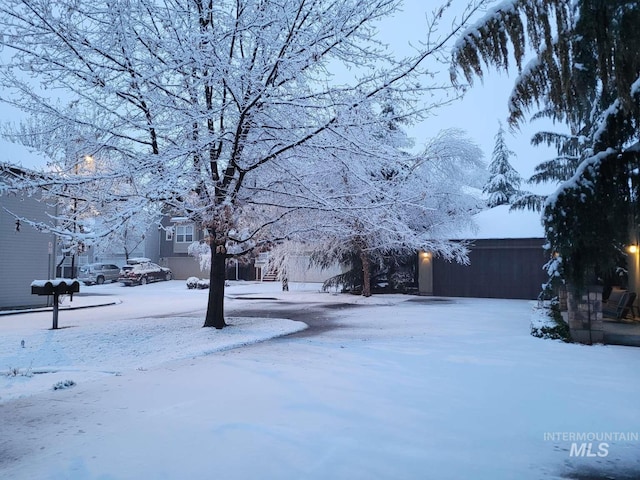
<point x="16" y="372"/>
<point x="200" y="283"/>
<point x="549" y="323"/>
<point x="64" y="384"/>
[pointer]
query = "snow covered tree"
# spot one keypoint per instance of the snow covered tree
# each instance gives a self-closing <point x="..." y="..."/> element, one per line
<point x="129" y="235"/>
<point x="557" y="170"/>
<point x="393" y="204"/>
<point x="201" y="103"/>
<point x="504" y="181"/>
<point x="585" y="72"/>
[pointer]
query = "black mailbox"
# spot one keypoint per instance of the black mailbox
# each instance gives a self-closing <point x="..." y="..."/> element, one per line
<point x="60" y="286"/>
<point x="55" y="287"/>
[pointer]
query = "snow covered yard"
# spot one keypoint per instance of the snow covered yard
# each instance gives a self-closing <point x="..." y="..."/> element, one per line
<point x="399" y="387"/>
<point x="147" y="326"/>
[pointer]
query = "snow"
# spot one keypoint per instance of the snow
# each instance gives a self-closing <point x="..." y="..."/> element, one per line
<point x="501" y="222"/>
<point x="393" y="387"/>
<point x="20" y="155"/>
<point x="493" y="14"/>
<point x="54" y="282"/>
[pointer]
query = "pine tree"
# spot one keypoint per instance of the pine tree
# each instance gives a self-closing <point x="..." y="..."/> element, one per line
<point x="571" y="150"/>
<point x="504" y="183"/>
<point x="586" y="74"/>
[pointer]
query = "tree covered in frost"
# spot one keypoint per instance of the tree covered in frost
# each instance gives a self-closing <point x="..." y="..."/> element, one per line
<point x="131" y="234"/>
<point x="585" y="73"/>
<point x="391" y="205"/>
<point x="210" y="110"/>
<point x="504" y="181"/>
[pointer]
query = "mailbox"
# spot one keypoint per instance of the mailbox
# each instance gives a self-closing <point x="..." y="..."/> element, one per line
<point x="57" y="287"/>
<point x="62" y="286"/>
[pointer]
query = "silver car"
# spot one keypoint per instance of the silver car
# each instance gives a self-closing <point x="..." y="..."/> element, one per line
<point x="98" y="273"/>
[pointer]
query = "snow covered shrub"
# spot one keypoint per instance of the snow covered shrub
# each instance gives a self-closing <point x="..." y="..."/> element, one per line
<point x="198" y="283"/>
<point x="16" y="372"/>
<point x="548" y="322"/>
<point x="61" y="385"/>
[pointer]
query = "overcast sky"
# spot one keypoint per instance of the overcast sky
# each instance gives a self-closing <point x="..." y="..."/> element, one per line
<point x="478" y="113"/>
<point x="483" y="106"/>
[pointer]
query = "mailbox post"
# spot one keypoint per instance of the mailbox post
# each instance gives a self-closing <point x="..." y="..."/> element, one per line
<point x="57" y="287"/>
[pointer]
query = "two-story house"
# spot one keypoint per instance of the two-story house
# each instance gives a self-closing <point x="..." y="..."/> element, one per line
<point x="26" y="254"/>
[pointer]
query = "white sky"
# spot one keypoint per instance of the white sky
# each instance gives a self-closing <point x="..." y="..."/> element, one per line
<point x="483" y="105"/>
<point x="478" y="113"/>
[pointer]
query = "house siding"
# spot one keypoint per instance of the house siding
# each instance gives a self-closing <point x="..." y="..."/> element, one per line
<point x="174" y="254"/>
<point x="24" y="254"/>
<point x="500" y="268"/>
<point x="300" y="269"/>
<point x="184" y="267"/>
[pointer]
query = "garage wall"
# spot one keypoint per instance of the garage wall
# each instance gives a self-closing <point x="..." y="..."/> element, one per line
<point x="503" y="268"/>
<point x="184" y="267"/>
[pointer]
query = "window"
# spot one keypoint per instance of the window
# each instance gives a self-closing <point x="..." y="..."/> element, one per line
<point x="184" y="233"/>
<point x="169" y="234"/>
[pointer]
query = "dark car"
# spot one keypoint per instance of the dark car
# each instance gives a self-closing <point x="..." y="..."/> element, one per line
<point x="141" y="272"/>
<point x="98" y="273"/>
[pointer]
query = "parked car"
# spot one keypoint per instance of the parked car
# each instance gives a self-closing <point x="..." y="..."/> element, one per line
<point x="141" y="272"/>
<point x="98" y="273"/>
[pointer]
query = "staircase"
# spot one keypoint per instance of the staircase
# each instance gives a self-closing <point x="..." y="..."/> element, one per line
<point x="270" y="276"/>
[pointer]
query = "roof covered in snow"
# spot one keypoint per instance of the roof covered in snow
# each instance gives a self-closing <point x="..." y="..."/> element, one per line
<point x="500" y="222"/>
<point x="20" y="155"/>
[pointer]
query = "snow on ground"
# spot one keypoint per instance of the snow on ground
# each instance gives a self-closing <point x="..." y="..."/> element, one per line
<point x="395" y="387"/>
<point x="143" y="328"/>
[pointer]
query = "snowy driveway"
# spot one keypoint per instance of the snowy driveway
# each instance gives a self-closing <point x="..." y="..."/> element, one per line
<point x="397" y="388"/>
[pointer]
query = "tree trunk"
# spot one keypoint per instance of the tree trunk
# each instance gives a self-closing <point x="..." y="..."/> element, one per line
<point x="366" y="274"/>
<point x="215" y="306"/>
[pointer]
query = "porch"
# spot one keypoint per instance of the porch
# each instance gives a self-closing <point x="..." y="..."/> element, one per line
<point x="622" y="332"/>
<point x="612" y="322"/>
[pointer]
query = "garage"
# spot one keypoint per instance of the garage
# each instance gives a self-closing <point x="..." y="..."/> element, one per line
<point x="499" y="268"/>
<point x="506" y="259"/>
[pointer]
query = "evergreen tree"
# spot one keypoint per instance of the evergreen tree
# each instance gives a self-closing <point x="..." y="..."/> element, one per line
<point x="571" y="149"/>
<point x="504" y="181"/>
<point x="586" y="73"/>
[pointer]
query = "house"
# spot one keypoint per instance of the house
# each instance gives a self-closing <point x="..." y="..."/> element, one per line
<point x="506" y="259"/>
<point x="27" y="254"/>
<point x="300" y="269"/>
<point x="174" y="235"/>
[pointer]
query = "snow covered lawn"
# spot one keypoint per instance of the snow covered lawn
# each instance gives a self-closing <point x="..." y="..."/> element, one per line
<point x="395" y="387"/>
<point x="147" y="326"/>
